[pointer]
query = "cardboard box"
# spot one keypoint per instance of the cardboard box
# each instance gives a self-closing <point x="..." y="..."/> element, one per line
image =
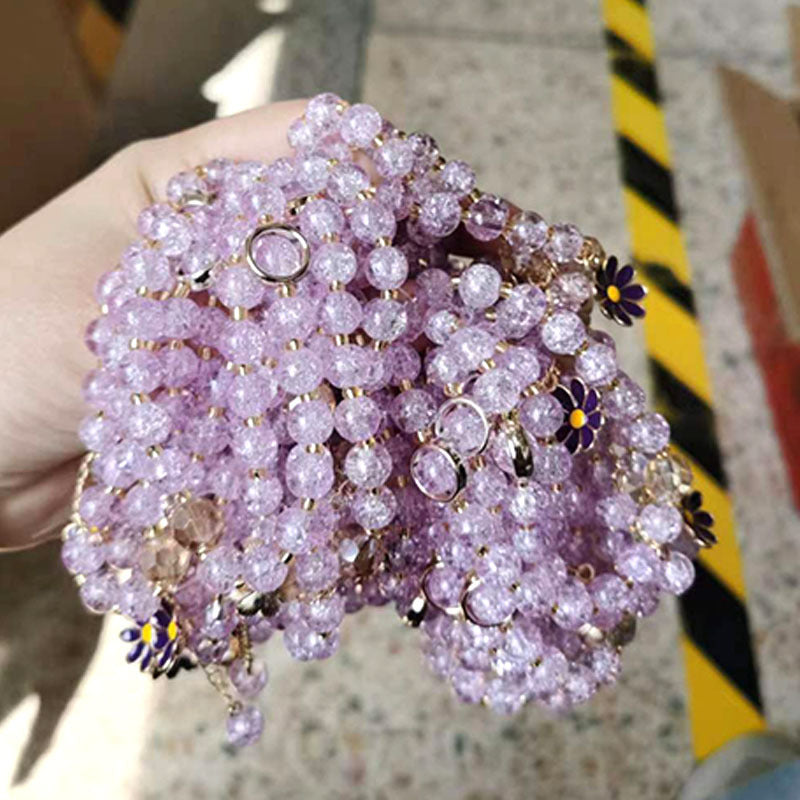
<point x="47" y="109"/>
<point x="766" y="258"/>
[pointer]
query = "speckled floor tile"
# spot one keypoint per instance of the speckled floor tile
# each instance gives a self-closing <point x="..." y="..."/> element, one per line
<point x="713" y="196"/>
<point x="574" y="23"/>
<point x="755" y="29"/>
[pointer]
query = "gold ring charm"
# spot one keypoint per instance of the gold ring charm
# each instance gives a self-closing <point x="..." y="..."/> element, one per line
<point x="285" y="232"/>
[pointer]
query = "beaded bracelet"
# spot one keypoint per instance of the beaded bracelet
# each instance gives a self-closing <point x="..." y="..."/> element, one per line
<point x="351" y="378"/>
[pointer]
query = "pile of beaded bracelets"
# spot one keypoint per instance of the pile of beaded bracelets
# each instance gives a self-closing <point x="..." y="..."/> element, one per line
<point x="350" y="378"/>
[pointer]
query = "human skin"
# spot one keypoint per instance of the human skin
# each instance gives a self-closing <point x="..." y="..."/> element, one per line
<point x="50" y="262"/>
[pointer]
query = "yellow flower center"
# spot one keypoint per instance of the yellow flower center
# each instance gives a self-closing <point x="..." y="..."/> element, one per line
<point x="577" y="418"/>
<point x="147" y="633"/>
<point x="172" y="629"/>
<point x="613" y="294"/>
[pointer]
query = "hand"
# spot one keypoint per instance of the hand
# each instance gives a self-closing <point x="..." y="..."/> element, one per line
<point x="50" y="263"/>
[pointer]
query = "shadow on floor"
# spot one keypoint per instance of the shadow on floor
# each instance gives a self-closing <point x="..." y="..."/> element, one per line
<point x="47" y="640"/>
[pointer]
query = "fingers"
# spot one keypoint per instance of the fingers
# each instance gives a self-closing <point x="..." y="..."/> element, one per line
<point x="256" y="134"/>
<point x="33" y="513"/>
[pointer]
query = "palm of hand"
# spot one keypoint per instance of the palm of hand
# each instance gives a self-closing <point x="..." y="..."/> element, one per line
<point x="51" y="262"/>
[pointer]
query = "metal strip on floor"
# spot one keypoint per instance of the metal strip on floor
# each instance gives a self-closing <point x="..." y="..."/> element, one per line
<point x="722" y="679"/>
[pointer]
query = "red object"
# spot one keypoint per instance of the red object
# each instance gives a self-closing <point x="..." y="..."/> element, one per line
<point x="778" y="356"/>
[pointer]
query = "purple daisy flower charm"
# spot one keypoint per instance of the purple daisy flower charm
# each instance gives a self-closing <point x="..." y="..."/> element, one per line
<point x="154" y="642"/>
<point x="698" y="519"/>
<point x="582" y="416"/>
<point x="619" y="297"/>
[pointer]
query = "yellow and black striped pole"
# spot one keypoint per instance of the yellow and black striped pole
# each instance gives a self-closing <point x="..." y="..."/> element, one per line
<point x="722" y="679"/>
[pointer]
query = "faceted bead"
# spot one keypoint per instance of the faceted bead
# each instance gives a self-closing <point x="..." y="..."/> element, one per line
<point x="163" y="559"/>
<point x="196" y="524"/>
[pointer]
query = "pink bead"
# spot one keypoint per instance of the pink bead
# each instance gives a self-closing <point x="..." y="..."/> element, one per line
<point x="238" y="286"/>
<point x="486" y="217"/>
<point x="359" y="125"/>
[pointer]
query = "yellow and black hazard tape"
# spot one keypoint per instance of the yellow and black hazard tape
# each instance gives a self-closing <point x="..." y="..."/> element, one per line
<point x="721" y="675"/>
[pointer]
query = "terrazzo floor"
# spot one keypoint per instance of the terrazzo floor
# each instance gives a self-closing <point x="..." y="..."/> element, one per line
<point x="520" y="90"/>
